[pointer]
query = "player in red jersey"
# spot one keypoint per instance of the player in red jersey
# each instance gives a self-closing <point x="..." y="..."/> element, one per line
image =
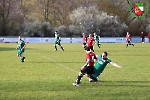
<point x="88" y="66"/>
<point x="128" y="39"/>
<point x="84" y="39"/>
<point x="90" y="42"/>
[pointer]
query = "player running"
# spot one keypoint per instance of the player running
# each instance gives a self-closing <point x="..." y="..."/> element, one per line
<point x="128" y="40"/>
<point x="57" y="41"/>
<point x="97" y="39"/>
<point x="21" y="49"/>
<point x="100" y="66"/>
<point x="88" y="67"/>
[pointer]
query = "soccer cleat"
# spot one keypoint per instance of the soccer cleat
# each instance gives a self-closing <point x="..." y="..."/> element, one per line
<point x="91" y="80"/>
<point x="55" y="50"/>
<point x="75" y="84"/>
<point x="23" y="59"/>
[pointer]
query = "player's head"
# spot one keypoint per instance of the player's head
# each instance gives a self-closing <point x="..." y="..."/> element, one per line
<point x="94" y="33"/>
<point x="104" y="55"/>
<point x="87" y="48"/>
<point x="19" y="37"/>
<point x="127" y="33"/>
<point x="90" y="35"/>
<point x="56" y="32"/>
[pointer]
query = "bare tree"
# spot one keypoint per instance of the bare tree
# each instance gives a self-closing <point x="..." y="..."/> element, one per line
<point x="10" y="17"/>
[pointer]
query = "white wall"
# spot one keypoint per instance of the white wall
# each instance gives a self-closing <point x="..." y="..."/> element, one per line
<point x="69" y="40"/>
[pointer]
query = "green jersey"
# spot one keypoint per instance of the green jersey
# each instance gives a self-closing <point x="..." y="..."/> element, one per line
<point x="21" y="43"/>
<point x="96" y="38"/>
<point x="100" y="65"/>
<point x="57" y="37"/>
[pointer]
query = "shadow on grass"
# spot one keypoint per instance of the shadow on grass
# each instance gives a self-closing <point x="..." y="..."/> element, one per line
<point x="126" y="83"/>
<point x="6" y="49"/>
<point x="10" y="49"/>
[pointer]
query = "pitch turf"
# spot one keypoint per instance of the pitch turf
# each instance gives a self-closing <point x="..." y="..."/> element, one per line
<point x="48" y="75"/>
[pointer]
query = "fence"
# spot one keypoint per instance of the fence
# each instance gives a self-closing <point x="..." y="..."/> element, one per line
<point x="69" y="40"/>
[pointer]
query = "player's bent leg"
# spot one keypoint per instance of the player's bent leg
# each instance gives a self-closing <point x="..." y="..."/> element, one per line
<point x="79" y="77"/>
<point x="78" y="80"/>
<point x="98" y="43"/>
<point x="61" y="47"/>
<point x="20" y="52"/>
<point x="126" y="45"/>
<point x="55" y="47"/>
<point x="84" y="45"/>
<point x="21" y="57"/>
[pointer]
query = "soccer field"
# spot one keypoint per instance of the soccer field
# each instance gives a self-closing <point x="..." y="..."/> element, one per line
<point x="48" y="75"/>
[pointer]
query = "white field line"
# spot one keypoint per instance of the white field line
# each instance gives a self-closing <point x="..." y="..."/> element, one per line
<point x="57" y="63"/>
<point x="49" y="60"/>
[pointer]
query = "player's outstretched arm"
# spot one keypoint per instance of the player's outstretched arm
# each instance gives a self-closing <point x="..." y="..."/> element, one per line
<point x="114" y="64"/>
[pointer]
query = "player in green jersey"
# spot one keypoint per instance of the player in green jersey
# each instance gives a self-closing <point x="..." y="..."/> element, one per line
<point x="21" y="49"/>
<point x="100" y="65"/>
<point x="97" y="39"/>
<point x="57" y="41"/>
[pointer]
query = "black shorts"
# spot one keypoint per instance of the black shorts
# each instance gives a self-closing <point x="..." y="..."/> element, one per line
<point x="91" y="47"/>
<point x="128" y="42"/>
<point x="84" y="43"/>
<point x="87" y="70"/>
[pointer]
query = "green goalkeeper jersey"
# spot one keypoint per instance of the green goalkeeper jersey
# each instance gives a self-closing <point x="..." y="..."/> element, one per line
<point x="100" y="65"/>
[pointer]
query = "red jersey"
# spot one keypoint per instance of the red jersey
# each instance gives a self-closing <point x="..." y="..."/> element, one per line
<point x="90" y="41"/>
<point x="91" y="56"/>
<point x="128" y="37"/>
<point x="148" y="35"/>
<point x="84" y="38"/>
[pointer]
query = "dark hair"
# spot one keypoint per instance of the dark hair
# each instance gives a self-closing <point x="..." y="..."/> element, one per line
<point x="105" y="53"/>
<point x="87" y="48"/>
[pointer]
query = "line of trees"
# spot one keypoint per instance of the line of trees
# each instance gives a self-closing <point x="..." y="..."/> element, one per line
<point x="70" y="18"/>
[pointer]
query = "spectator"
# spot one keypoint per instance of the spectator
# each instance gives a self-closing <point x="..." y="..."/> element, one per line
<point x="142" y="37"/>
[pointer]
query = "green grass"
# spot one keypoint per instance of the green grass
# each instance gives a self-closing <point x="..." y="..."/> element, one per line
<point x="48" y="75"/>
